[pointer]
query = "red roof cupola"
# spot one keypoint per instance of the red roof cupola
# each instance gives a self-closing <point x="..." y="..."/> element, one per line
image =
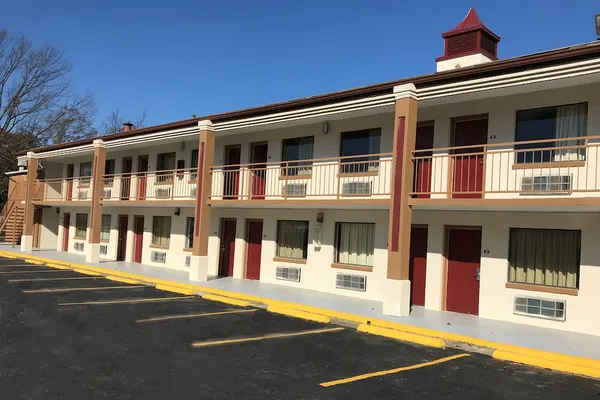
<point x="470" y="37"/>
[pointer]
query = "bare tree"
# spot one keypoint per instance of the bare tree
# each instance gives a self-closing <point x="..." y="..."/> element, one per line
<point x="114" y="122"/>
<point x="37" y="103"/>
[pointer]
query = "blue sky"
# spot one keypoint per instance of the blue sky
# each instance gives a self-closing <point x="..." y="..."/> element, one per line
<point x="176" y="58"/>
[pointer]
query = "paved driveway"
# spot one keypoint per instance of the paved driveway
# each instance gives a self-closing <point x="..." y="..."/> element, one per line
<point x="70" y="336"/>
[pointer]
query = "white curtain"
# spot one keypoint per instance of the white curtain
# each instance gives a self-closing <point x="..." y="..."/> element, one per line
<point x="292" y="239"/>
<point x="161" y="231"/>
<point x="356" y="243"/>
<point x="571" y="122"/>
<point x="306" y="148"/>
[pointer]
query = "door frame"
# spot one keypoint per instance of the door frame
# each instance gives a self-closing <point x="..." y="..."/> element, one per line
<point x="447" y="229"/>
<point x="246" y="231"/>
<point x="119" y="218"/>
<point x="135" y="219"/>
<point x="38" y="214"/>
<point x="237" y="168"/>
<point x="251" y="175"/>
<point x="453" y="122"/>
<point x="221" y="233"/>
<point x="66" y="231"/>
<point x="422" y="226"/>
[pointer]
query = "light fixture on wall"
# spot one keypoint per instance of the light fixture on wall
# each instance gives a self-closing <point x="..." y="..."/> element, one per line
<point x="325" y="128"/>
<point x="182" y="146"/>
<point x="177" y="211"/>
<point x="318" y="232"/>
<point x="58" y="210"/>
<point x="320" y="217"/>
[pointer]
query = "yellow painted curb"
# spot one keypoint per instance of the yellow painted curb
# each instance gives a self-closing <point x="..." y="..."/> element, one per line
<point x="7" y="255"/>
<point x="298" y="314"/>
<point x="86" y="272"/>
<point x="34" y="262"/>
<point x="546" y="355"/>
<point x="228" y="300"/>
<point x="544" y="363"/>
<point x="175" y="289"/>
<point x="57" y="266"/>
<point x="404" y="336"/>
<point x="122" y="280"/>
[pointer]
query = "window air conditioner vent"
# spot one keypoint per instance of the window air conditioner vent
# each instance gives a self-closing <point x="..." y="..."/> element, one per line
<point x="288" y="273"/>
<point x="540" y="308"/>
<point x="158" y="257"/>
<point x="357" y="188"/>
<point x="546" y="183"/>
<point x="351" y="282"/>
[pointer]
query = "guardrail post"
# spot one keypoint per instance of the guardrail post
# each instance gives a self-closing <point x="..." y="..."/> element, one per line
<point x="27" y="236"/>
<point x="92" y="252"/>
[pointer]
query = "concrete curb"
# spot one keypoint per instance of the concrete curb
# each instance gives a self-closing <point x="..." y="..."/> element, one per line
<point x="298" y="314"/>
<point x="538" y="358"/>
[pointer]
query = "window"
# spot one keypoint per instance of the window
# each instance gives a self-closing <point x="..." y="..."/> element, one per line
<point x="109" y="169"/>
<point x="354" y="243"/>
<point x="165" y="163"/>
<point x="360" y="143"/>
<point x="292" y="239"/>
<point x="189" y="233"/>
<point x="297" y="149"/>
<point x="81" y="222"/>
<point x="85" y="172"/>
<point x="105" y="227"/>
<point x="549" y="123"/>
<point x="548" y="257"/>
<point x="161" y="231"/>
<point x="194" y="164"/>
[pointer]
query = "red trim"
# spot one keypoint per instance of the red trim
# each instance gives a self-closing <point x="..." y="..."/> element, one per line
<point x="199" y="185"/>
<point x="398" y="184"/>
<point x="468" y="53"/>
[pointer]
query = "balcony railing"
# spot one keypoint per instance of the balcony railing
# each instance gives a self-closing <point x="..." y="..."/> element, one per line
<point x="340" y="178"/>
<point x="155" y="185"/>
<point x="551" y="168"/>
<point x="63" y="189"/>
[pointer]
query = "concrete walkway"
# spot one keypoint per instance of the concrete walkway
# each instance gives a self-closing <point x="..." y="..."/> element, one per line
<point x="552" y="340"/>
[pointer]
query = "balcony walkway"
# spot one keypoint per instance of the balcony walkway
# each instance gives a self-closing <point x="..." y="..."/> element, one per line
<point x="552" y="340"/>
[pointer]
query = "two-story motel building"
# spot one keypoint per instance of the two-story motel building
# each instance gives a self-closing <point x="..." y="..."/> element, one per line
<point x="474" y="189"/>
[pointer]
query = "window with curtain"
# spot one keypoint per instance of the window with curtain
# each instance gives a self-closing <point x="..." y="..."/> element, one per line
<point x="552" y="124"/>
<point x="109" y="169"/>
<point x="360" y="143"/>
<point x="293" y="151"/>
<point x="292" y="239"/>
<point x="161" y="230"/>
<point x="547" y="257"/>
<point x="194" y="164"/>
<point x="354" y="243"/>
<point x="85" y="172"/>
<point x="165" y="163"/>
<point x="81" y="222"/>
<point x="105" y="227"/>
<point x="189" y="233"/>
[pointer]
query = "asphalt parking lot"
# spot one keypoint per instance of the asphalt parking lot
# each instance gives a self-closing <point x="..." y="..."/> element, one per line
<point x="69" y="336"/>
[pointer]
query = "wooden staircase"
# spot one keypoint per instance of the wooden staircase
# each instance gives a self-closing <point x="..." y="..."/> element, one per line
<point x="11" y="223"/>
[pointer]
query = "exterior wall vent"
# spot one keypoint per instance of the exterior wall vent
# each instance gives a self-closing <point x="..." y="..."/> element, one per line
<point x="541" y="308"/>
<point x="546" y="183"/>
<point x="351" y="282"/>
<point x="288" y="273"/>
<point x="103" y="249"/>
<point x="82" y="195"/>
<point x="294" y="189"/>
<point x="357" y="188"/>
<point x="158" y="257"/>
<point x="193" y="192"/>
<point x="188" y="260"/>
<point x="107" y="193"/>
<point x="162" y="193"/>
<point x="78" y="246"/>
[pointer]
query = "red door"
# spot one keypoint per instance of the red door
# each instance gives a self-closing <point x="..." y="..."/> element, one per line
<point x="70" y="173"/>
<point x="418" y="264"/>
<point x="232" y="174"/>
<point x="259" y="170"/>
<point x="468" y="163"/>
<point x="422" y="177"/>
<point x="122" y="241"/>
<point x="464" y="261"/>
<point x="66" y="225"/>
<point x="126" y="169"/>
<point x="254" y="239"/>
<point x="228" y="227"/>
<point x="141" y="182"/>
<point x="139" y="238"/>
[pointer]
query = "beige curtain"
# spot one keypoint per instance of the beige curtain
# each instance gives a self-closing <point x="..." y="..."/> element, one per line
<point x="81" y="225"/>
<point x="548" y="257"/>
<point x="161" y="231"/>
<point x="571" y="122"/>
<point x="292" y="239"/>
<point x="356" y="243"/>
<point x="105" y="228"/>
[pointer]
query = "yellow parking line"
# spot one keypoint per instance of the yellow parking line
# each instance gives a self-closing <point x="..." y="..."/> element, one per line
<point x="182" y="316"/>
<point x="80" y="289"/>
<point x="50" y="279"/>
<point x="32" y="272"/>
<point x="392" y="371"/>
<point x="15" y="265"/>
<point x="265" y="337"/>
<point x="127" y="301"/>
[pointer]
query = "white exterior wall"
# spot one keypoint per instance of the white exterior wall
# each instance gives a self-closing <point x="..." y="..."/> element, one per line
<point x="495" y="300"/>
<point x="317" y="273"/>
<point x="49" y="229"/>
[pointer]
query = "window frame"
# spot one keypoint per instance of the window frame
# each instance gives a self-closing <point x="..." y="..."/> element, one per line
<point x="103" y="227"/>
<point x="305" y="239"/>
<point x="297" y="167"/>
<point x="194" y="165"/>
<point x="165" y="175"/>
<point x="85" y="179"/>
<point x="109" y="169"/>
<point x="79" y="228"/>
<point x="337" y="242"/>
<point x="155" y="237"/>
<point x="189" y="240"/>
<point x="360" y="164"/>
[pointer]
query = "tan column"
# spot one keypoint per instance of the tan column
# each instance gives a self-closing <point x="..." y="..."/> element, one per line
<point x="27" y="237"/>
<point x="397" y="293"/>
<point x="206" y="152"/>
<point x="92" y="253"/>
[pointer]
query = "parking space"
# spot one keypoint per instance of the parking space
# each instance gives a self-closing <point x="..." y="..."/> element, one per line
<point x="138" y="342"/>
